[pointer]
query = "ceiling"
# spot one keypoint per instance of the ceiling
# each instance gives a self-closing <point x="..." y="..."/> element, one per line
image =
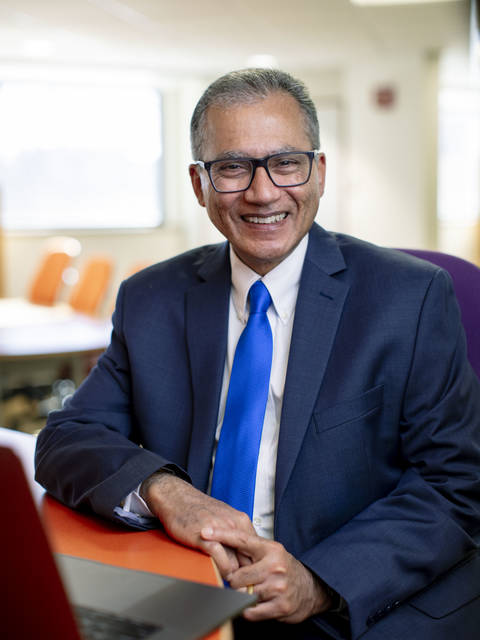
<point x="210" y="35"/>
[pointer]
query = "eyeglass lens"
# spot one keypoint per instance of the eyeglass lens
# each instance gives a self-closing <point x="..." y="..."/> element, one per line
<point x="285" y="170"/>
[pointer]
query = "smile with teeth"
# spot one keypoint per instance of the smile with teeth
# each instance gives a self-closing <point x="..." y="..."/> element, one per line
<point x="266" y="220"/>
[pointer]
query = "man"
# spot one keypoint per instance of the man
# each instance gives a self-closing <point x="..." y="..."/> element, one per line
<point x="366" y="493"/>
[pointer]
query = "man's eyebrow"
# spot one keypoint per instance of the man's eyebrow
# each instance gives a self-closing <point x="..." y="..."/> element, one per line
<point x="234" y="154"/>
<point x="227" y="155"/>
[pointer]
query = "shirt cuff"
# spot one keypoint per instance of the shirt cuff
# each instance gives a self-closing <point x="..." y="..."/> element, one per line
<point x="135" y="512"/>
<point x="134" y="503"/>
<point x="134" y="520"/>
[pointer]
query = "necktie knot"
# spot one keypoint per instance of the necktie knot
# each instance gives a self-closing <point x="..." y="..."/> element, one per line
<point x="259" y="297"/>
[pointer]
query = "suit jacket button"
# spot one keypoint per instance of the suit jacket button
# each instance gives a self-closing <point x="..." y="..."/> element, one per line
<point x="375" y="617"/>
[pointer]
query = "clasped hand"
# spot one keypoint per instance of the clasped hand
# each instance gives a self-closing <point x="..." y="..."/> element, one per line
<point x="285" y="588"/>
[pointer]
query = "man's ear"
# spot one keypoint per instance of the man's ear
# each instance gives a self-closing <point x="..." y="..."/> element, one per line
<point x="322" y="167"/>
<point x="196" y="179"/>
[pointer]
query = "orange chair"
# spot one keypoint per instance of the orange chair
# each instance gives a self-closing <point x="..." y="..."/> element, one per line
<point x="46" y="283"/>
<point x="92" y="285"/>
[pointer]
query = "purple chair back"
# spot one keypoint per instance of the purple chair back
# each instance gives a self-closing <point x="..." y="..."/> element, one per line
<point x="466" y="282"/>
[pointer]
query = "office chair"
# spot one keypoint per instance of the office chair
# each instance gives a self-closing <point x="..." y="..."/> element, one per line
<point x="466" y="282"/>
<point x="92" y="285"/>
<point x="47" y="280"/>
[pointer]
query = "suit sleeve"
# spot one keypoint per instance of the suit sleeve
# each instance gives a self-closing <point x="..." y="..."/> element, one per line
<point x="400" y="543"/>
<point x="87" y="455"/>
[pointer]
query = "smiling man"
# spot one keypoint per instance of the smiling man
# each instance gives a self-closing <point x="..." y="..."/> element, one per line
<point x="305" y="408"/>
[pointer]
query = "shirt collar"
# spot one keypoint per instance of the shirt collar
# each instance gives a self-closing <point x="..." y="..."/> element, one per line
<point x="282" y="282"/>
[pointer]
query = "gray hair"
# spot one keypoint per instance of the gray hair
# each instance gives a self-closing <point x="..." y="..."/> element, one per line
<point x="248" y="86"/>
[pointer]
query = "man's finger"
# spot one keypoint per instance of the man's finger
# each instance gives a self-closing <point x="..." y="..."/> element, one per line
<point x="252" y="574"/>
<point x="249" y="545"/>
<point x="262" y="611"/>
<point x="243" y="560"/>
<point x="225" y="559"/>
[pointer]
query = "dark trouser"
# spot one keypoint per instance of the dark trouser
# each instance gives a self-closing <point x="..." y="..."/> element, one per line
<point x="272" y="630"/>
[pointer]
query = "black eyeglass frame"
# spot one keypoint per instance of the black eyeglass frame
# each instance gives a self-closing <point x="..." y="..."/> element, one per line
<point x="260" y="162"/>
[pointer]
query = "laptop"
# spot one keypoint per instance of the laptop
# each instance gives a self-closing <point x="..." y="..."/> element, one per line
<point x="46" y="595"/>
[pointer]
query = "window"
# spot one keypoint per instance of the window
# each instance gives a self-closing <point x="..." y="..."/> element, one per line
<point x="78" y="156"/>
<point x="459" y="156"/>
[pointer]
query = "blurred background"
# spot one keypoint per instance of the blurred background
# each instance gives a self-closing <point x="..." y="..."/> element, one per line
<point x="95" y="102"/>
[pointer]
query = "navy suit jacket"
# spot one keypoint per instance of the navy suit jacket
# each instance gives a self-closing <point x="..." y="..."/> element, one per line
<point x="378" y="471"/>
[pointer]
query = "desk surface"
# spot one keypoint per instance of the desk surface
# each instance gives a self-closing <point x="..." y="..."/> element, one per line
<point x="88" y="536"/>
<point x="29" y="330"/>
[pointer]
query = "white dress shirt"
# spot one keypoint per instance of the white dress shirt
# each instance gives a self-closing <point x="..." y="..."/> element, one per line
<point x="282" y="283"/>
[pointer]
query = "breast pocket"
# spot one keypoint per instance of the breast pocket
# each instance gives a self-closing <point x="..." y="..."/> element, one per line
<point x="349" y="411"/>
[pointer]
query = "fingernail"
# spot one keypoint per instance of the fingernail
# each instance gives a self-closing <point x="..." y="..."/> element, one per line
<point x="207" y="532"/>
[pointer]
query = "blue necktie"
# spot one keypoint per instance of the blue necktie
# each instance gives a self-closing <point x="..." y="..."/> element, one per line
<point x="236" y="459"/>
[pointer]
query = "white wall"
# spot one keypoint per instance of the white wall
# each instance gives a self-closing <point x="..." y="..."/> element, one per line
<point x="389" y="148"/>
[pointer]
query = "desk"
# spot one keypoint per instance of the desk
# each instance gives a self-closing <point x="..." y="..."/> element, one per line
<point x="87" y="536"/>
<point x="30" y="331"/>
<point x="37" y="342"/>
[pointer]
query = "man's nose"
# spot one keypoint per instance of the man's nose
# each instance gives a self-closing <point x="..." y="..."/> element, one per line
<point x="262" y="189"/>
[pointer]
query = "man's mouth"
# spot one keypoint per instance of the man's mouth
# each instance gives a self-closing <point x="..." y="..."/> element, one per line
<point x="266" y="219"/>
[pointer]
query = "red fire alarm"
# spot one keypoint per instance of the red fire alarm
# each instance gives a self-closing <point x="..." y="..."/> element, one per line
<point x="385" y="97"/>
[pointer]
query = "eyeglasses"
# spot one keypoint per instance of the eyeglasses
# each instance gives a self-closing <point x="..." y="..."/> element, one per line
<point x="288" y="169"/>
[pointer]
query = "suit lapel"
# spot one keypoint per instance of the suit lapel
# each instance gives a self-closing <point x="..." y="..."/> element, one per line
<point x="207" y="325"/>
<point x="319" y="307"/>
